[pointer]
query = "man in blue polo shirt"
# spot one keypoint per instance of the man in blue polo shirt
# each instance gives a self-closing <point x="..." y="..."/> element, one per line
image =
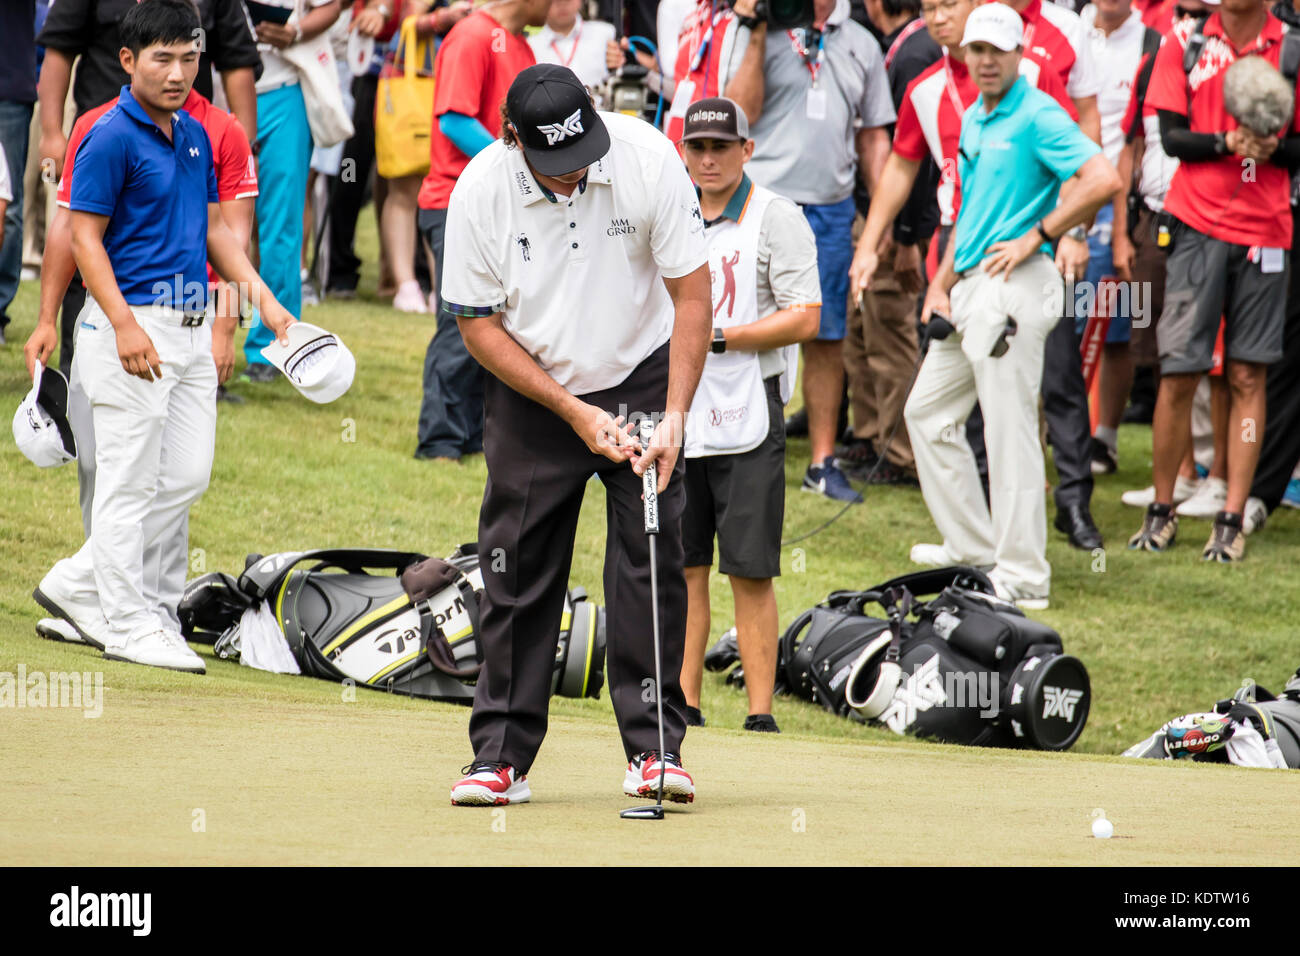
<point x="1017" y="148"/>
<point x="145" y="221"/>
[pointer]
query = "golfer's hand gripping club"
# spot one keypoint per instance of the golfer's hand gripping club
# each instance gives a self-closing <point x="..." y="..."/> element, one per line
<point x="649" y="480"/>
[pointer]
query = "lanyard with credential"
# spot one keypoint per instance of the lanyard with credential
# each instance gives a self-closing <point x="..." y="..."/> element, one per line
<point x="950" y="84"/>
<point x="565" y="61"/>
<point x="801" y="51"/>
<point x="917" y="24"/>
<point x="702" y="50"/>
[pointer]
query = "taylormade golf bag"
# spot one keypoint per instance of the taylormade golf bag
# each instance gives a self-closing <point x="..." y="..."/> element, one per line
<point x="1251" y="729"/>
<point x="415" y="633"/>
<point x="964" y="667"/>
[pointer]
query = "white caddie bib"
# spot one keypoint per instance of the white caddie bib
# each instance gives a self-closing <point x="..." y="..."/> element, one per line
<point x="729" y="413"/>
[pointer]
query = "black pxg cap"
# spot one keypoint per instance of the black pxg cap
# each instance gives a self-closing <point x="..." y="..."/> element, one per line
<point x="555" y="123"/>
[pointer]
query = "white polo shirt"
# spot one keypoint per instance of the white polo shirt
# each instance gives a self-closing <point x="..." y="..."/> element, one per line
<point x="578" y="280"/>
<point x="582" y="49"/>
<point x="1121" y="52"/>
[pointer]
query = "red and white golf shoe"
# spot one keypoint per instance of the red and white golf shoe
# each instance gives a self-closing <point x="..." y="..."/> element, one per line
<point x="642" y="778"/>
<point x="490" y="784"/>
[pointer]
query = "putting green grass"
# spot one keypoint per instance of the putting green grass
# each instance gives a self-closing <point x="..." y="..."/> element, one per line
<point x="286" y="770"/>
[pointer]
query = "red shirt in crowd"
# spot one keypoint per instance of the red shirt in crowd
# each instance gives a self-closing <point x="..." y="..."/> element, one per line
<point x="232" y="159"/>
<point x="476" y="64"/>
<point x="929" y="118"/>
<point x="1159" y="15"/>
<point x="1228" y="198"/>
<point x="1056" y="37"/>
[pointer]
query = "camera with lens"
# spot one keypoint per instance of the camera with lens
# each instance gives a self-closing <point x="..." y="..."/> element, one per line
<point x="782" y="14"/>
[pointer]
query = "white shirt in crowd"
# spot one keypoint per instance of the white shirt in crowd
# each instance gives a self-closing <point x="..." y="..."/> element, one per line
<point x="1084" y="79"/>
<point x="1121" y="52"/>
<point x="582" y="50"/>
<point x="578" y="280"/>
<point x="275" y="71"/>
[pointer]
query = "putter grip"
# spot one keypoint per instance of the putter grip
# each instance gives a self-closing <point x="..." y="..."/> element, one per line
<point x="649" y="482"/>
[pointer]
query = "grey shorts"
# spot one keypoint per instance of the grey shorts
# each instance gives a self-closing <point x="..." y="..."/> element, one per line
<point x="1207" y="278"/>
<point x="741" y="499"/>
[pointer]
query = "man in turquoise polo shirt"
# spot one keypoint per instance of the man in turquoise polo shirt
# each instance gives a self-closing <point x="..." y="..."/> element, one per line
<point x="1004" y="295"/>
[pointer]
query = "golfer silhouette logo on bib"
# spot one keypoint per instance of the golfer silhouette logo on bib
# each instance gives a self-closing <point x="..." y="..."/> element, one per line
<point x="729" y="413"/>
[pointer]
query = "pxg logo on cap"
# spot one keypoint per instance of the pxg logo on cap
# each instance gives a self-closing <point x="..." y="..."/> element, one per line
<point x="557" y="127"/>
<point x="317" y="362"/>
<point x="41" y="428"/>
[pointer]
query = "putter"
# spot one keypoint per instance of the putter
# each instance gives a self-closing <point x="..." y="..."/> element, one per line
<point x="650" y="499"/>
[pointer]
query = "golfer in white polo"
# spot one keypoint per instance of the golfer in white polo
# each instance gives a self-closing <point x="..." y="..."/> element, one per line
<point x="577" y="267"/>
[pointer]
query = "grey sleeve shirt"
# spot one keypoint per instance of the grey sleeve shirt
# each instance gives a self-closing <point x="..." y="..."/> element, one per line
<point x="787" y="270"/>
<point x="804" y="141"/>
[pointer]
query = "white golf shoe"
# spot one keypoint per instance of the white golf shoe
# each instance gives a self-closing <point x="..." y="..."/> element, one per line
<point x="1184" y="488"/>
<point x="1254" y="516"/>
<point x="161" y="648"/>
<point x="1209" y="500"/>
<point x="58" y="629"/>
<point x="642" y="778"/>
<point x="81" y="611"/>
<point x="490" y="784"/>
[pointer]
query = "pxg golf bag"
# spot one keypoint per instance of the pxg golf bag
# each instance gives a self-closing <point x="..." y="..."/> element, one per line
<point x="414" y="632"/>
<point x="1253" y="728"/>
<point x="964" y="667"/>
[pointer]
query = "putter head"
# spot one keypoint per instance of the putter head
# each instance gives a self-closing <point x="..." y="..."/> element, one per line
<point x="655" y="812"/>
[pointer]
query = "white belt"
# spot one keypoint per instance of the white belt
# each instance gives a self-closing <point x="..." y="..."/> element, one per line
<point x="165" y="315"/>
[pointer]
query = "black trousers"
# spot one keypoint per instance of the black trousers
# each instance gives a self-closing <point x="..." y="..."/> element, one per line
<point x="538" y="469"/>
<point x="1281" y="449"/>
<point x="350" y="191"/>
<point x="451" y="411"/>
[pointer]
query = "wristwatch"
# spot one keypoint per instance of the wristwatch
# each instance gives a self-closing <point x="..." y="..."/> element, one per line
<point x="1078" y="234"/>
<point x="719" y="344"/>
<point x="1221" y="144"/>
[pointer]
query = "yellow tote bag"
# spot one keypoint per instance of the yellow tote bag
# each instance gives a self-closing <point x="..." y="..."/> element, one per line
<point x="404" y="107"/>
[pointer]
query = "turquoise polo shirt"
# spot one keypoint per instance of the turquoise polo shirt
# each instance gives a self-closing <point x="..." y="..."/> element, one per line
<point x="1012" y="162"/>
<point x="155" y="192"/>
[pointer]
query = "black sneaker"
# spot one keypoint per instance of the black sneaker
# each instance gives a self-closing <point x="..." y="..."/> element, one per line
<point x="829" y="482"/>
<point x="1159" y="528"/>
<point x="259" y="372"/>
<point x="693" y="717"/>
<point x="857" y="456"/>
<point x="890" y="474"/>
<point x="722" y="654"/>
<point x="1104" y="461"/>
<point x="762" y="723"/>
<point x="225" y="395"/>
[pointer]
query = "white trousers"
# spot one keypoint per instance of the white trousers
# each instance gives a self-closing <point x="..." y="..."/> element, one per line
<point x="152" y="445"/>
<point x="956" y="372"/>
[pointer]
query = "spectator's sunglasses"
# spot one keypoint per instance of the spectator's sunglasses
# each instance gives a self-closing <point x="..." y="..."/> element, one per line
<point x="1182" y="13"/>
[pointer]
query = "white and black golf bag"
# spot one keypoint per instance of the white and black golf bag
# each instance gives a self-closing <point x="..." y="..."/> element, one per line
<point x="412" y="630"/>
<point x="964" y="667"/>
<point x="1253" y="728"/>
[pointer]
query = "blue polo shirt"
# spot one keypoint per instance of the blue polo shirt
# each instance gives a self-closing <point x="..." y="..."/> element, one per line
<point x="155" y="192"/>
<point x="1012" y="162"/>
